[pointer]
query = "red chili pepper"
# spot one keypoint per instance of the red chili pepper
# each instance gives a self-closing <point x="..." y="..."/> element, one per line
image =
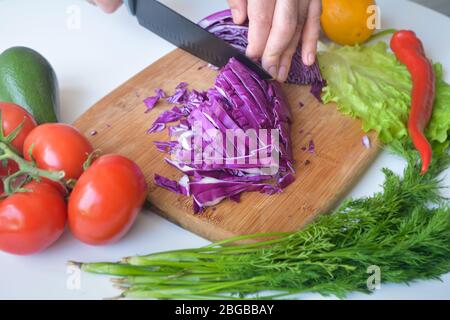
<point x="409" y="50"/>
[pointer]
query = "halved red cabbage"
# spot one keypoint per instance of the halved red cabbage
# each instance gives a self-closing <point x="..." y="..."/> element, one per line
<point x="221" y="25"/>
<point x="208" y="192"/>
<point x="239" y="102"/>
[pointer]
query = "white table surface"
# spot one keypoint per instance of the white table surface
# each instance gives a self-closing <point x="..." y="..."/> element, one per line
<point x="102" y="53"/>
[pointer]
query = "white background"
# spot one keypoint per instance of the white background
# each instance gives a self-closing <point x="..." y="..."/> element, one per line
<point x="103" y="53"/>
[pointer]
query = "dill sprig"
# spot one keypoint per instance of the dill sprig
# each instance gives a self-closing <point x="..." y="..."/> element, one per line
<point x="404" y="230"/>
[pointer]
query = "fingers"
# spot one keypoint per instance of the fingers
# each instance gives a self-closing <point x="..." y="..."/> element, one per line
<point x="260" y="15"/>
<point x="311" y="32"/>
<point x="238" y="10"/>
<point x="275" y="29"/>
<point x="108" y="6"/>
<point x="286" y="58"/>
<point x="283" y="39"/>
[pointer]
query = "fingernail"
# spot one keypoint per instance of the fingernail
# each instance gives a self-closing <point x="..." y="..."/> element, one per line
<point x="273" y="71"/>
<point x="311" y="58"/>
<point x="282" y="73"/>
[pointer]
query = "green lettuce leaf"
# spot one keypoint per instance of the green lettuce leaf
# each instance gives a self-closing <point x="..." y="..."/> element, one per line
<point x="369" y="83"/>
<point x="439" y="126"/>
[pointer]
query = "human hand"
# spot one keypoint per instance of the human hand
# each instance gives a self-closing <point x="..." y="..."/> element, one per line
<point x="276" y="28"/>
<point x="108" y="6"/>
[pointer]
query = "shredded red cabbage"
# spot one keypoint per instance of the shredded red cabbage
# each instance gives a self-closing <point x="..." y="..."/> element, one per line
<point x="168" y="116"/>
<point x="180" y="96"/>
<point x="182" y="85"/>
<point x="150" y="103"/>
<point x="166" y="146"/>
<point x="221" y="24"/>
<point x="311" y="147"/>
<point x="174" y="186"/>
<point x="239" y="102"/>
<point x="160" y="93"/>
<point x="366" y="142"/>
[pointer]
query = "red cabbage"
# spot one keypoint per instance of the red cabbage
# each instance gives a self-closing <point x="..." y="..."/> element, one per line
<point x="181" y="85"/>
<point x="221" y="25"/>
<point x="151" y="102"/>
<point x="167" y="116"/>
<point x="160" y="93"/>
<point x="177" y="187"/>
<point x="208" y="192"/>
<point x="240" y="102"/>
<point x="311" y="147"/>
<point x="166" y="146"/>
<point x="366" y="142"/>
<point x="180" y="96"/>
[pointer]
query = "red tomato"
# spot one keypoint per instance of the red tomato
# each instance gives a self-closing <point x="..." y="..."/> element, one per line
<point x="58" y="146"/>
<point x="12" y="117"/>
<point x="8" y="168"/>
<point x="32" y="221"/>
<point x="63" y="191"/>
<point x="106" y="200"/>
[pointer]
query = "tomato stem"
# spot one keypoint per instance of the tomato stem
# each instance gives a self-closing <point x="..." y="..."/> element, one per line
<point x="26" y="168"/>
<point x="92" y="156"/>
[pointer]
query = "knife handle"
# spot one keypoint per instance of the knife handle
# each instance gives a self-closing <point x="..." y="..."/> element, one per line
<point x="131" y="5"/>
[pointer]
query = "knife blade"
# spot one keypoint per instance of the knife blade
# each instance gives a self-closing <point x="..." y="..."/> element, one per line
<point x="188" y="36"/>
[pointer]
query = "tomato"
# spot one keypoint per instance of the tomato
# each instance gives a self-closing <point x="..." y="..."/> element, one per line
<point x="12" y="116"/>
<point x="8" y="168"/>
<point x="32" y="221"/>
<point x="58" y="146"/>
<point x="63" y="191"/>
<point x="106" y="200"/>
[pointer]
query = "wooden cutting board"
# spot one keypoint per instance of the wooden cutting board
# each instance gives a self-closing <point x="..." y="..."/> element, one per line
<point x="322" y="178"/>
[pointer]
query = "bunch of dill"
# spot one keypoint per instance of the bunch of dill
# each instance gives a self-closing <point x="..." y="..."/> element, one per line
<point x="404" y="230"/>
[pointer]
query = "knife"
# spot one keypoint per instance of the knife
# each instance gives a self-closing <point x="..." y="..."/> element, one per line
<point x="188" y="36"/>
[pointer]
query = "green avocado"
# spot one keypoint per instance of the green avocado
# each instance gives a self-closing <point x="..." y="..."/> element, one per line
<point x="28" y="79"/>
